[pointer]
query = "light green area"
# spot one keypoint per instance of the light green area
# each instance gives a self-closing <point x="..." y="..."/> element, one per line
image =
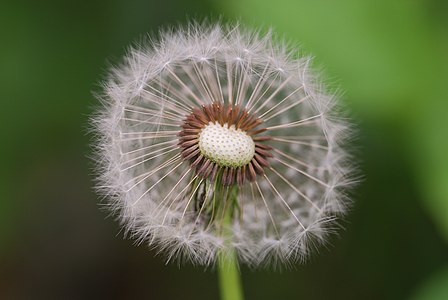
<point x="390" y="59"/>
<point x="435" y="288"/>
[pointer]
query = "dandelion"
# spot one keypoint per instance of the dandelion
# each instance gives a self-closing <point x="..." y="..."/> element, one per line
<point x="214" y="139"/>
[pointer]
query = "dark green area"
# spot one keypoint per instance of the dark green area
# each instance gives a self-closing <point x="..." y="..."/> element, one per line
<point x="389" y="58"/>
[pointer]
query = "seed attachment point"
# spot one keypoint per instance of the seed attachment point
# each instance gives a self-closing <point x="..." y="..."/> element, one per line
<point x="221" y="138"/>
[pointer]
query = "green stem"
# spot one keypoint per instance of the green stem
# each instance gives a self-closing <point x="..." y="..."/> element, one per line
<point x="228" y="271"/>
<point x="229" y="277"/>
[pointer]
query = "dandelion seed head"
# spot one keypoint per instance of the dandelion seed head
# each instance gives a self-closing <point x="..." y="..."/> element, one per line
<point x="214" y="120"/>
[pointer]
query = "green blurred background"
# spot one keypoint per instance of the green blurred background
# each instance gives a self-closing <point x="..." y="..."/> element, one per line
<point x="388" y="57"/>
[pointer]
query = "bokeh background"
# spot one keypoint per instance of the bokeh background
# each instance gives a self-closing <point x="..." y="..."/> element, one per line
<point x="388" y="57"/>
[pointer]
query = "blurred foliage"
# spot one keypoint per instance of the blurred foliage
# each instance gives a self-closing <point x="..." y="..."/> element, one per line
<point x="389" y="58"/>
<point x="435" y="288"/>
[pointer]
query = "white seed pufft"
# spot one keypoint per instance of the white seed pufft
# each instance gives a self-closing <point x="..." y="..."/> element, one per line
<point x="160" y="175"/>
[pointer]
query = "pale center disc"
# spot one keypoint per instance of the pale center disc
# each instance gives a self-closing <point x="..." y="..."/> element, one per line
<point x="226" y="146"/>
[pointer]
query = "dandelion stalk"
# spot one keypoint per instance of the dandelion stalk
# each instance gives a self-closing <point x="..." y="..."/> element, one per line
<point x="229" y="277"/>
<point x="228" y="271"/>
